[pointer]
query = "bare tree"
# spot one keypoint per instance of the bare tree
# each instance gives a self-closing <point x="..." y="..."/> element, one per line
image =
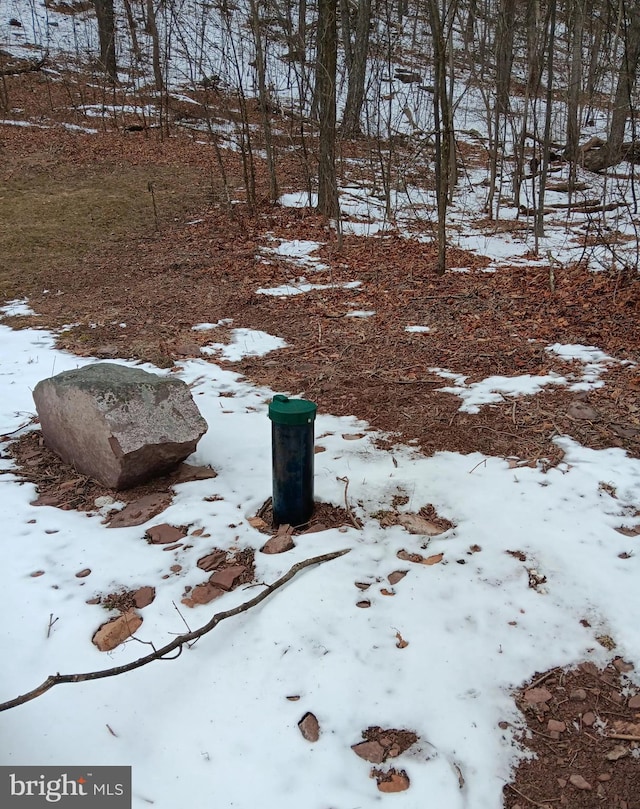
<point x="614" y="150"/>
<point x="107" y="36"/>
<point x="357" y="66"/>
<point x="439" y="22"/>
<point x="325" y="92"/>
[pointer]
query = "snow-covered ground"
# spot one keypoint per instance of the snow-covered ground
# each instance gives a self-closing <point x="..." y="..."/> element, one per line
<point x="215" y="726"/>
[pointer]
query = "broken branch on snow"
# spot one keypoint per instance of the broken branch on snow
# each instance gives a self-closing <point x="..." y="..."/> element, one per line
<point x="176" y="643"/>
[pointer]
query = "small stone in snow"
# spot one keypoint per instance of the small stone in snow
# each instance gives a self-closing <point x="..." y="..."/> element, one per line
<point x="309" y="727"/>
<point x="143" y="596"/>
<point x="164" y="534"/>
<point x="280" y="543"/>
<point x="112" y="633"/>
<point x="369" y="751"/>
<point x="212" y="560"/>
<point x="394" y="782"/>
<point x="396" y="576"/>
<point x="226" y="577"/>
<point x="82" y="574"/>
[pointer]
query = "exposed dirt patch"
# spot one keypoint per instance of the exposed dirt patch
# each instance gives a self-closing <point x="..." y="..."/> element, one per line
<point x="325" y="516"/>
<point x="58" y="484"/>
<point x="583" y="725"/>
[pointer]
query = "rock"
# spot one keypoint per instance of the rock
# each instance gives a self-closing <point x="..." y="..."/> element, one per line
<point x="202" y="594"/>
<point x="110" y="635"/>
<point x="579" y="695"/>
<point x="212" y="560"/>
<point x="364" y="604"/>
<point x="280" y="543"/>
<point x="396" y="576"/>
<point x="140" y="511"/>
<point x="535" y="696"/>
<point x="634" y="702"/>
<point x="143" y="596"/>
<point x="82" y="574"/>
<point x="121" y="426"/>
<point x="164" y="534"/>
<point x="309" y="727"/>
<point x="557" y="726"/>
<point x="226" y="577"/>
<point x="369" y="751"/>
<point x="187" y="472"/>
<point x="579" y="782"/>
<point x="582" y="410"/>
<point x="394" y="782"/>
<point x="588" y="718"/>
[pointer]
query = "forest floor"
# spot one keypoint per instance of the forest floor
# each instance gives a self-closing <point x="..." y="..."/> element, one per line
<point x="122" y="242"/>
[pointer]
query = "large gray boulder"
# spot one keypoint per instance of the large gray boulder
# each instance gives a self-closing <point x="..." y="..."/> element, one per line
<point x="121" y="426"/>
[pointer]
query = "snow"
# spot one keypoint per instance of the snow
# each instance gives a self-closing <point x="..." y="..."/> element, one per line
<point x="418" y="329"/>
<point x="301" y="286"/>
<point x="19" y="307"/>
<point x="245" y="343"/>
<point x="196" y="726"/>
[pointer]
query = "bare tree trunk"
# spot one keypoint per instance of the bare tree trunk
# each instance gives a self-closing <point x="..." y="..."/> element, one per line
<point x="345" y="27"/>
<point x="614" y="150"/>
<point x="550" y="27"/>
<point x="107" y="37"/>
<point x="576" y="25"/>
<point x="152" y="30"/>
<point x="135" y="45"/>
<point x="325" y="92"/>
<point x="265" y="101"/>
<point x="443" y="120"/>
<point x="534" y="59"/>
<point x="504" y="62"/>
<point x="357" y="72"/>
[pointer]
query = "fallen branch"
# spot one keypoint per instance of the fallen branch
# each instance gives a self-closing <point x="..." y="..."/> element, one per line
<point x="177" y="643"/>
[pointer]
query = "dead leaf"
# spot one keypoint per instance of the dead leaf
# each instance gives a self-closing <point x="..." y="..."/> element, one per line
<point x="401" y="643"/>
<point x="579" y="782"/>
<point x="617" y="752"/>
<point x="433" y="560"/>
<point x="415" y="524"/>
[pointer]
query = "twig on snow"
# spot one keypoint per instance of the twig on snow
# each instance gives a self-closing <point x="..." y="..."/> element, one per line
<point x="177" y="643"/>
<point x="349" y="511"/>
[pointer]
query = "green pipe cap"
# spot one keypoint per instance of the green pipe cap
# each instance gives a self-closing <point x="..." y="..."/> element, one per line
<point x="284" y="410"/>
